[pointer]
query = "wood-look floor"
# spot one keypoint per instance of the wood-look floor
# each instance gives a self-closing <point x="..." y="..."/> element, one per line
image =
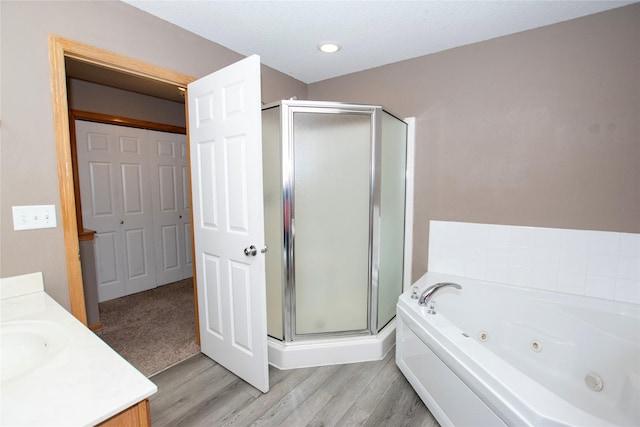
<point x="200" y="392"/>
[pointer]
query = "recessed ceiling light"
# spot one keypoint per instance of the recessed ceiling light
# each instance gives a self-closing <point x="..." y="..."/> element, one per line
<point x="329" y="47"/>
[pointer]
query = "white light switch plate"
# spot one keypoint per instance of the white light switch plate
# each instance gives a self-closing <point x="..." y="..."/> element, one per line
<point x="32" y="217"/>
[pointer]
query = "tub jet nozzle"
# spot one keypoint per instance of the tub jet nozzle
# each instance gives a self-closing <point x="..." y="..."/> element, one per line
<point x="594" y="382"/>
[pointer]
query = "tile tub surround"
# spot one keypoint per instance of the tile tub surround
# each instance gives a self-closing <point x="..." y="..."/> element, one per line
<point x="598" y="264"/>
<point x="79" y="381"/>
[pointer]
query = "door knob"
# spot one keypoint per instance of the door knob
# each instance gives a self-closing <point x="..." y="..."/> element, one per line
<point x="251" y="251"/>
<point x="264" y="249"/>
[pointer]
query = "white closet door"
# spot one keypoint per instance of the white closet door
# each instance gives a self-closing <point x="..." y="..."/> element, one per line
<point x="115" y="194"/>
<point x="186" y="203"/>
<point x="172" y="225"/>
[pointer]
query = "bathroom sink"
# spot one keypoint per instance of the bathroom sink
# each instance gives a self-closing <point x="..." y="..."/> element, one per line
<point x="25" y="346"/>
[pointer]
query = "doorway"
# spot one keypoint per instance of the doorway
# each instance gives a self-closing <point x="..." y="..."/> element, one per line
<point x="60" y="50"/>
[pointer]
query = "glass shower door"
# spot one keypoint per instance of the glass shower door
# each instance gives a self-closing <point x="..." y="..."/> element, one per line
<point x="393" y="166"/>
<point x="331" y="166"/>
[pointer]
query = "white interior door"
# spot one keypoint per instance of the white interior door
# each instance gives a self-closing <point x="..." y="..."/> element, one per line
<point x="226" y="174"/>
<point x="172" y="217"/>
<point x="116" y="203"/>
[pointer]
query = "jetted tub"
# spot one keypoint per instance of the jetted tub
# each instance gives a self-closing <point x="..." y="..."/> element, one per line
<point x="496" y="355"/>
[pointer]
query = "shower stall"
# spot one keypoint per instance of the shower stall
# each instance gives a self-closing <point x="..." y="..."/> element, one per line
<point x="334" y="179"/>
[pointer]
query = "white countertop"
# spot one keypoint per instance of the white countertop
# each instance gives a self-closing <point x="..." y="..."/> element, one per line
<point x="78" y="381"/>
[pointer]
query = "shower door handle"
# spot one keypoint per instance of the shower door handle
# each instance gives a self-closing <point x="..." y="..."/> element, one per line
<point x="251" y="251"/>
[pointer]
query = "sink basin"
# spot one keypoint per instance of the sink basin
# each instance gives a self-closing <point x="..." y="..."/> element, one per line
<point x="25" y="346"/>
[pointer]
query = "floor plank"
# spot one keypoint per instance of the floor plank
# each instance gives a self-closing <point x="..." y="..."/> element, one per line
<point x="296" y="398"/>
<point x="192" y="396"/>
<point x="198" y="392"/>
<point x="396" y="408"/>
<point x="340" y="388"/>
<point x="277" y="392"/>
<point x="371" y="395"/>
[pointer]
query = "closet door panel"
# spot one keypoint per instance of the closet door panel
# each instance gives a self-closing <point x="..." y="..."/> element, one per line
<point x="135" y="250"/>
<point x="101" y="188"/>
<point x="113" y="169"/>
<point x="168" y="182"/>
<point x="171" y="213"/>
<point x="99" y="172"/>
<point x="188" y="241"/>
<point x="137" y="210"/>
<point x="186" y="203"/>
<point x="168" y="235"/>
<point x="132" y="193"/>
<point x="170" y="245"/>
<point x="109" y="266"/>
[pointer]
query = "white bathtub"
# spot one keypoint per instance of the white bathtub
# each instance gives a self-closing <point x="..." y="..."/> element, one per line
<point x="499" y="355"/>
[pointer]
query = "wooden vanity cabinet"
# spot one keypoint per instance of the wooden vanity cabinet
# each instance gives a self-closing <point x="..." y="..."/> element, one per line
<point x="137" y="415"/>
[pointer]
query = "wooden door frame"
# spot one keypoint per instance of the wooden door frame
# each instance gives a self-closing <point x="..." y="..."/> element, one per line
<point x="59" y="49"/>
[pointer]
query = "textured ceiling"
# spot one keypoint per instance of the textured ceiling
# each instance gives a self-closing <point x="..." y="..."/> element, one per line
<point x="372" y="33"/>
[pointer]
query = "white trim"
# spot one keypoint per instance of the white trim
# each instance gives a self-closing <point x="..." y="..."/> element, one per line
<point x="334" y="351"/>
<point x="408" y="225"/>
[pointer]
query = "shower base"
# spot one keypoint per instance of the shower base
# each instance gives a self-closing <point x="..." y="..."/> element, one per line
<point x="334" y="351"/>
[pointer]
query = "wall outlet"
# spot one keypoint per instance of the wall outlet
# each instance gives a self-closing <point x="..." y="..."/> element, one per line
<point x="32" y="217"/>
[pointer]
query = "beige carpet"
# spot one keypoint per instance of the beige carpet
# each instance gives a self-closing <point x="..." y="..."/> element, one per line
<point x="153" y="329"/>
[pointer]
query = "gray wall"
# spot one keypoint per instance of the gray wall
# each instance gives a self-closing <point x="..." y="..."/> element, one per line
<point x="28" y="164"/>
<point x="96" y="98"/>
<point x="540" y="128"/>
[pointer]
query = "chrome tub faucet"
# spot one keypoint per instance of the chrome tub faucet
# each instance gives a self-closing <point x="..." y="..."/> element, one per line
<point x="428" y="293"/>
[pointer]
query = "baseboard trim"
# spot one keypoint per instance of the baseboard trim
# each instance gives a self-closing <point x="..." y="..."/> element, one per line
<point x="331" y="351"/>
